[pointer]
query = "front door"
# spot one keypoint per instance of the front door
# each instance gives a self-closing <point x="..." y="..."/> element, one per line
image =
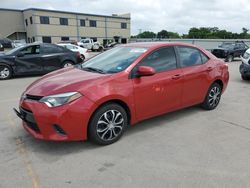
<point x="160" y="93"/>
<point x="28" y="60"/>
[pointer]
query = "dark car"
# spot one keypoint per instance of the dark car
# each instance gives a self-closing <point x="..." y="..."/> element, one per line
<point x="1" y="48"/>
<point x="7" y="43"/>
<point x="230" y="50"/>
<point x="35" y="59"/>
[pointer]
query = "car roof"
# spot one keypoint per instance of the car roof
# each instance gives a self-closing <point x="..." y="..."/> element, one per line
<point x="157" y="44"/>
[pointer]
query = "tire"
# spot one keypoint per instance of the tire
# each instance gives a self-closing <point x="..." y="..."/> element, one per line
<point x="83" y="57"/>
<point x="67" y="64"/>
<point x="5" y="72"/>
<point x="213" y="97"/>
<point x="229" y="58"/>
<point x="100" y="49"/>
<point x="245" y="77"/>
<point x="107" y="124"/>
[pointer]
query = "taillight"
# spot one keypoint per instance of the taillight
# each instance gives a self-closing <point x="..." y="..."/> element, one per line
<point x="78" y="55"/>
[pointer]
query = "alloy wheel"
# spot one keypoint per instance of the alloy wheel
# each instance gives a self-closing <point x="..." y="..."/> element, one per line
<point x="4" y="73"/>
<point x="110" y="125"/>
<point x="214" y="96"/>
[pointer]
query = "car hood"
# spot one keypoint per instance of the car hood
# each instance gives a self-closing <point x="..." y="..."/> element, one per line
<point x="65" y="80"/>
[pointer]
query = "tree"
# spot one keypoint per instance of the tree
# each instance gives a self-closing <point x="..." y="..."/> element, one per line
<point x="162" y="34"/>
<point x="146" y="34"/>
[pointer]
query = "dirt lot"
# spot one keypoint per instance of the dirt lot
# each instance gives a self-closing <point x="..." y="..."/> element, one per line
<point x="188" y="148"/>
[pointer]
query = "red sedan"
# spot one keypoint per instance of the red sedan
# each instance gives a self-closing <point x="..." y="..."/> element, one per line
<point x="125" y="85"/>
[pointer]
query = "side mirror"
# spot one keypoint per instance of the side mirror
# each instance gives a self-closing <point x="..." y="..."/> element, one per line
<point x="145" y="71"/>
<point x="20" y="54"/>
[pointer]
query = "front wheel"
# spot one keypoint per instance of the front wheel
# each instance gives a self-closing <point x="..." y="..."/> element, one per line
<point x="107" y="124"/>
<point x="5" y="72"/>
<point x="229" y="58"/>
<point x="245" y="77"/>
<point x="213" y="97"/>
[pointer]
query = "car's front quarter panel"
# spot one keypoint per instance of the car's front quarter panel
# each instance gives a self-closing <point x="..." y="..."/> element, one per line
<point x="118" y="87"/>
<point x="72" y="118"/>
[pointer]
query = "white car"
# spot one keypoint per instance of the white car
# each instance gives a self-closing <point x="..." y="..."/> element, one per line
<point x="74" y="48"/>
<point x="18" y="43"/>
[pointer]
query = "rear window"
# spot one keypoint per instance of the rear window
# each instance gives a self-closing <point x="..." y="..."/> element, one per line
<point x="190" y="56"/>
<point x="48" y="49"/>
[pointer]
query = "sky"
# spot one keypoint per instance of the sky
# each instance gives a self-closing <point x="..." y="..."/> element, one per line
<point x="155" y="15"/>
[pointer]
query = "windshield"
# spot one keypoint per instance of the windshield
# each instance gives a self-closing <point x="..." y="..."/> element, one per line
<point x="114" y="60"/>
<point x="13" y="50"/>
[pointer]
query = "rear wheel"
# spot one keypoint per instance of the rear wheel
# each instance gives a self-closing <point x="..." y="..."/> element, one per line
<point x="213" y="97"/>
<point x="67" y="64"/>
<point x="107" y="124"/>
<point x="5" y="72"/>
<point x="82" y="57"/>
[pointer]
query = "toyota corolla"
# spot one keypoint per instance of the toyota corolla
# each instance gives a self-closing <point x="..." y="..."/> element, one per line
<point x="97" y="100"/>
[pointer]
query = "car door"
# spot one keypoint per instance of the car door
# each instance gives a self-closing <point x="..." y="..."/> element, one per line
<point x="51" y="56"/>
<point x="195" y="75"/>
<point x="28" y="60"/>
<point x="161" y="92"/>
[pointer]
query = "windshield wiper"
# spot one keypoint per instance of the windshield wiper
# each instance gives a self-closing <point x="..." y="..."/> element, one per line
<point x="92" y="69"/>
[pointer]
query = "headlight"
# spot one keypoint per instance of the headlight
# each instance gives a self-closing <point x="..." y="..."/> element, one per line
<point x="60" y="99"/>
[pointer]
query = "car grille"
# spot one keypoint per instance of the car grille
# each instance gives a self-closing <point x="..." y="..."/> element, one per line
<point x="29" y="119"/>
<point x="33" y="97"/>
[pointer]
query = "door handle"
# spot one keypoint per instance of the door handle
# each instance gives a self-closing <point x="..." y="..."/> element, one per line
<point x="176" y="77"/>
<point x="209" y="69"/>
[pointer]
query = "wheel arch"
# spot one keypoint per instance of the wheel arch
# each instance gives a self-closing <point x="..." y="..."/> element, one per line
<point x="5" y="64"/>
<point x="116" y="101"/>
<point x="220" y="82"/>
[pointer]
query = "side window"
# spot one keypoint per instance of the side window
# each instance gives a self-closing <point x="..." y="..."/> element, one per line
<point x="50" y="49"/>
<point x="161" y="60"/>
<point x="31" y="50"/>
<point x="189" y="56"/>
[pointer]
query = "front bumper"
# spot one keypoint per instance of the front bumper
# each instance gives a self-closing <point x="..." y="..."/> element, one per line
<point x="68" y="122"/>
<point x="245" y="67"/>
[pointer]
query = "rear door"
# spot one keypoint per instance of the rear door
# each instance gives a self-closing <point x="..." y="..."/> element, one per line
<point x="51" y="57"/>
<point x="30" y="61"/>
<point x="161" y="92"/>
<point x="195" y="75"/>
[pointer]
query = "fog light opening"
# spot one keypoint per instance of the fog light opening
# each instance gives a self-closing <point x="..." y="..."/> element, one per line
<point x="59" y="130"/>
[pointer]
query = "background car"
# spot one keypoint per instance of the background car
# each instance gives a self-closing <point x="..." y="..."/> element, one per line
<point x="68" y="42"/>
<point x="121" y="87"/>
<point x="245" y="66"/>
<point x="7" y="43"/>
<point x="230" y="50"/>
<point x="74" y="48"/>
<point x="36" y="58"/>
